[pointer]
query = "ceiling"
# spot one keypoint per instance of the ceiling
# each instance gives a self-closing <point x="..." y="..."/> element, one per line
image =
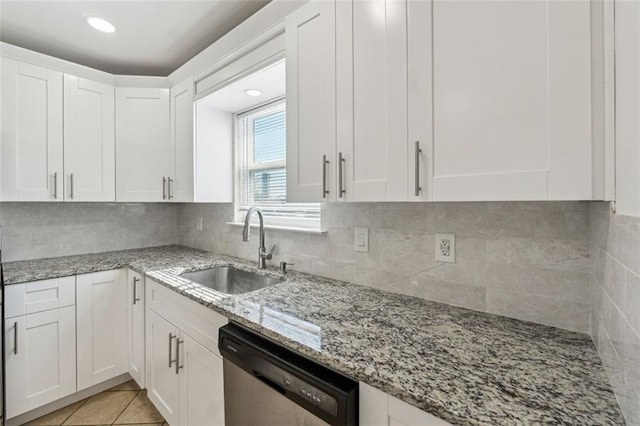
<point x="270" y="81"/>
<point x="152" y="37"/>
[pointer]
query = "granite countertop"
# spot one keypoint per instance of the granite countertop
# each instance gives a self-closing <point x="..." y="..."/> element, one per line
<point x="466" y="367"/>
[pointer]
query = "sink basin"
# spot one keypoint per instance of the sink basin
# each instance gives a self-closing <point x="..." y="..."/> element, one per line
<point x="228" y="280"/>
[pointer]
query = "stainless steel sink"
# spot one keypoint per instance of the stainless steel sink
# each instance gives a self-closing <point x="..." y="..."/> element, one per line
<point x="226" y="279"/>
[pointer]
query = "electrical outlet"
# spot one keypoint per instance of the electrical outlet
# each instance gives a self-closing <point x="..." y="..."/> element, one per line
<point x="199" y="224"/>
<point x="361" y="242"/>
<point x="446" y="248"/>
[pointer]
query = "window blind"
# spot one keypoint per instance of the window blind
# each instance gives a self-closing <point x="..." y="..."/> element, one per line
<point x="261" y="167"/>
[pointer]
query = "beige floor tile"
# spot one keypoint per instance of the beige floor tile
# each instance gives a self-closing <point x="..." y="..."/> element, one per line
<point x="131" y="385"/>
<point x="141" y="410"/>
<point x="103" y="408"/>
<point x="57" y="417"/>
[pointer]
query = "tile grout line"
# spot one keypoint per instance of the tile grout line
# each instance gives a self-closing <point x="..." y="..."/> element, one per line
<point x="127" y="406"/>
<point x="73" y="412"/>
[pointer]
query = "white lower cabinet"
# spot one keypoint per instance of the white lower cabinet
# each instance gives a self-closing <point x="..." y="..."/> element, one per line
<point x="135" y="327"/>
<point x="163" y="380"/>
<point x="40" y="356"/>
<point x="102" y="332"/>
<point x="202" y="377"/>
<point x="184" y="368"/>
<point x="380" y="409"/>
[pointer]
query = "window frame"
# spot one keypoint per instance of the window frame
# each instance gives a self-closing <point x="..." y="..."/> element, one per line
<point x="296" y="220"/>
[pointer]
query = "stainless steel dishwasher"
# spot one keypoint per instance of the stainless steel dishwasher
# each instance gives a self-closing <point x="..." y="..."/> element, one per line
<point x="266" y="384"/>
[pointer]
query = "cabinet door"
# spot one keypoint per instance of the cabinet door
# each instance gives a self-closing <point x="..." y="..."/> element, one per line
<point x="135" y="326"/>
<point x="181" y="185"/>
<point x="40" y="359"/>
<point x="31" y="128"/>
<point x="403" y="414"/>
<point x="372" y="100"/>
<point x="201" y="385"/>
<point x="163" y="379"/>
<point x="89" y="140"/>
<point x="102" y="333"/>
<point x="420" y="100"/>
<point x="511" y="100"/>
<point x="380" y="409"/>
<point x="311" y="102"/>
<point x="143" y="148"/>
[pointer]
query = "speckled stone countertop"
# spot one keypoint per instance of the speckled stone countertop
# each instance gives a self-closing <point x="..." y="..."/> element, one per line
<point x="466" y="367"/>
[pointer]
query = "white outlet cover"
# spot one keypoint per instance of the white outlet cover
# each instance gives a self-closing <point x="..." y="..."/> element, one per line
<point x="446" y="248"/>
<point x="361" y="240"/>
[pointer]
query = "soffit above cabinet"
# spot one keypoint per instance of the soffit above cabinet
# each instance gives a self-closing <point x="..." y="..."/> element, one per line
<point x="151" y="37"/>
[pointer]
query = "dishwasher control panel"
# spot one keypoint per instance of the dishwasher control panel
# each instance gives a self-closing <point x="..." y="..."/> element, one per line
<point x="301" y="388"/>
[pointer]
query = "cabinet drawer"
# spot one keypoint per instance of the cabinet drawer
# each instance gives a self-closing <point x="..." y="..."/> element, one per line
<point x="38" y="296"/>
<point x="198" y="321"/>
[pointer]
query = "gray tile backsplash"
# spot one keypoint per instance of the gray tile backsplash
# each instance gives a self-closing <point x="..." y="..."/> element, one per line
<point x="36" y="230"/>
<point x="615" y="289"/>
<point x="527" y="260"/>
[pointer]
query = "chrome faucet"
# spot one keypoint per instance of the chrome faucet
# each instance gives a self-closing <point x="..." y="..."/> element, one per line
<point x="263" y="256"/>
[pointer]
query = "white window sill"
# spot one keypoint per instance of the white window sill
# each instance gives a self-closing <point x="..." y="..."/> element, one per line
<point x="283" y="228"/>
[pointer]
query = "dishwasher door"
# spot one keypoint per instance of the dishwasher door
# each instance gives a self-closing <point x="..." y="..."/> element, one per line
<point x="267" y="384"/>
<point x="249" y="401"/>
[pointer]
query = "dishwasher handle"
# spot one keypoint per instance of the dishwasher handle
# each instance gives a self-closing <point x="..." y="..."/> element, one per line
<point x="267" y="381"/>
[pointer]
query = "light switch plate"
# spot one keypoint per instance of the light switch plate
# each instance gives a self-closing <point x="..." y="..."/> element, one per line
<point x="361" y="242"/>
<point x="446" y="248"/>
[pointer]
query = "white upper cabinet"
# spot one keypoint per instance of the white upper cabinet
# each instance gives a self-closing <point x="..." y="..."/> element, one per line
<point x="89" y="140"/>
<point x="182" y="142"/>
<point x="143" y="145"/>
<point x="311" y="102"/>
<point x="372" y="100"/>
<point x="420" y="101"/>
<point x="32" y="131"/>
<point x="57" y="138"/>
<point x="511" y="100"/>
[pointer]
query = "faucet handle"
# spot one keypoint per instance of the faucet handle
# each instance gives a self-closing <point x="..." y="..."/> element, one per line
<point x="269" y="255"/>
<point x="283" y="266"/>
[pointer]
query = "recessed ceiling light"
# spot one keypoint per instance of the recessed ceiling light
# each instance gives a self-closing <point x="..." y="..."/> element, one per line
<point x="100" y="24"/>
<point x="253" y="92"/>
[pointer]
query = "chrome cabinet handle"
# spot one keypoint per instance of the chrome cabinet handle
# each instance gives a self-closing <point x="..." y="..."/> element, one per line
<point x="55" y="186"/>
<point x="178" y="366"/>
<point x="15" y="338"/>
<point x="341" y="164"/>
<point x="417" y="158"/>
<point x="71" y="186"/>
<point x="136" y="280"/>
<point x="164" y="188"/>
<point x="169" y="190"/>
<point x="171" y="337"/>
<point x="324" y="176"/>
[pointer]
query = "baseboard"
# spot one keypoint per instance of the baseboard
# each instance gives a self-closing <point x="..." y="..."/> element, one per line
<point x="67" y="400"/>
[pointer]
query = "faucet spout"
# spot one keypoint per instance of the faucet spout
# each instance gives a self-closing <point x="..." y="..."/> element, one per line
<point x="246" y="235"/>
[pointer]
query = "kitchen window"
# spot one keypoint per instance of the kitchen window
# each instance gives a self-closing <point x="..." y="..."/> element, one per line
<point x="260" y="135"/>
